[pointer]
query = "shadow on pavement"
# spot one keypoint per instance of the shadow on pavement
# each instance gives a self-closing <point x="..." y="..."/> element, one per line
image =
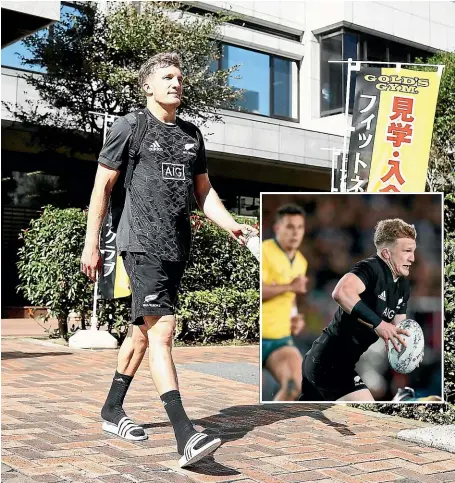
<point x="208" y="466"/>
<point x="27" y="355"/>
<point x="235" y="422"/>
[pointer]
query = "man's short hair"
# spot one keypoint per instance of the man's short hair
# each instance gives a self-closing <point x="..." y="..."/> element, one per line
<point x="388" y="231"/>
<point x="290" y="209"/>
<point x="158" y="61"/>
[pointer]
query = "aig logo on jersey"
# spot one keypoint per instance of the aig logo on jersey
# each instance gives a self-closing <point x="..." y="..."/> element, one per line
<point x="389" y="313"/>
<point x="173" y="171"/>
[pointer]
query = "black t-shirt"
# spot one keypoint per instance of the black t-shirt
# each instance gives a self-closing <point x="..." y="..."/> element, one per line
<point x="156" y="216"/>
<point x="348" y="338"/>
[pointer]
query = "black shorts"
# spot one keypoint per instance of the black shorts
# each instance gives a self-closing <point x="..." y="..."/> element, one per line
<point x="325" y="382"/>
<point x="154" y="284"/>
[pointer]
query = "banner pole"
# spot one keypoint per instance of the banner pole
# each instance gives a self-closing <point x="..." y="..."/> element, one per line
<point x="94" y="318"/>
<point x="343" y="183"/>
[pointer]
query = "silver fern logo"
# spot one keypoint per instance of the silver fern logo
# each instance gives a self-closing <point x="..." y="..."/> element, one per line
<point x="150" y="298"/>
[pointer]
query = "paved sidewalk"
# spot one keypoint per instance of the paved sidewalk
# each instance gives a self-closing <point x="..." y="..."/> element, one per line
<point x="52" y="395"/>
<point x="27" y="327"/>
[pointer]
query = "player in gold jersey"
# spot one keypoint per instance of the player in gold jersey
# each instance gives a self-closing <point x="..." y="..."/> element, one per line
<point x="283" y="277"/>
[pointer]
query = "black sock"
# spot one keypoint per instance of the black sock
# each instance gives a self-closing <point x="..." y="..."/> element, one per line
<point x="112" y="410"/>
<point x="183" y="428"/>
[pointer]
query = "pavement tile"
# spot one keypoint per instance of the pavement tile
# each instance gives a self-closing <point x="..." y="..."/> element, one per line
<point x="447" y="476"/>
<point x="115" y="479"/>
<point x="380" y="476"/>
<point x="9" y="476"/>
<point x="414" y="475"/>
<point x="308" y="475"/>
<point x="405" y="455"/>
<point x="377" y="465"/>
<point x="27" y="453"/>
<point x="323" y="463"/>
<point x="106" y="460"/>
<point x="434" y="456"/>
<point x="339" y="475"/>
<point x="285" y="462"/>
<point x="446" y="465"/>
<point x="47" y="478"/>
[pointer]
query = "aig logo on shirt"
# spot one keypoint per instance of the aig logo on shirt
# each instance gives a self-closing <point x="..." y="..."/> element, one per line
<point x="173" y="171"/>
<point x="389" y="313"/>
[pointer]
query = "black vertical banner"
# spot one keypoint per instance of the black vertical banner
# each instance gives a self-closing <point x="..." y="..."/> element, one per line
<point x="364" y="121"/>
<point x="108" y="249"/>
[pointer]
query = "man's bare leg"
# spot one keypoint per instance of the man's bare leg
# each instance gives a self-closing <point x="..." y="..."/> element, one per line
<point x="130" y="357"/>
<point x="191" y="444"/>
<point x="285" y="365"/>
<point x="160" y="332"/>
<point x="132" y="351"/>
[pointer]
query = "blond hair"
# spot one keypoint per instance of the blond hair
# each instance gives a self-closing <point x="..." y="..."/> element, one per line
<point x="158" y="61"/>
<point x="388" y="231"/>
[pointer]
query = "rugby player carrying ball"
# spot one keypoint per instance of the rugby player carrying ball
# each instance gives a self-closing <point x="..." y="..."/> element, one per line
<point x="372" y="301"/>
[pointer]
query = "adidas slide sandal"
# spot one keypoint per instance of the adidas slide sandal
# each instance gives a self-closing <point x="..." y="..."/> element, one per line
<point x="198" y="446"/>
<point x="126" y="429"/>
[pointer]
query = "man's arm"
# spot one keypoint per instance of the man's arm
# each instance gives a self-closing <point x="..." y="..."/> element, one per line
<point x="347" y="295"/>
<point x="213" y="208"/>
<point x="104" y="182"/>
<point x="347" y="292"/>
<point x="271" y="290"/>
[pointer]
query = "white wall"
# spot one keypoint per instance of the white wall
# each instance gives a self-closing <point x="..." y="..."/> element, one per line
<point x="17" y="93"/>
<point x="45" y="9"/>
<point x="427" y="23"/>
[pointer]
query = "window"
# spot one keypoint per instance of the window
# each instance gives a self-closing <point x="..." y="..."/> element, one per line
<point x="346" y="44"/>
<point x="269" y="82"/>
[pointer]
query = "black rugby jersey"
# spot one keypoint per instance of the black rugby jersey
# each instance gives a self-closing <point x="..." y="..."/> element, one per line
<point x="348" y="338"/>
<point x="156" y="216"/>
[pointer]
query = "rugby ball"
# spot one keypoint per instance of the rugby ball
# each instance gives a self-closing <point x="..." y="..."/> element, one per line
<point x="408" y="358"/>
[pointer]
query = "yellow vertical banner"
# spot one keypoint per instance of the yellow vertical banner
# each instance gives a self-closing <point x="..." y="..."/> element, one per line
<point x="404" y="128"/>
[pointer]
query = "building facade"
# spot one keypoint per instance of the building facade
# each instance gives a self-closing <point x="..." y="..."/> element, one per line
<point x="290" y="118"/>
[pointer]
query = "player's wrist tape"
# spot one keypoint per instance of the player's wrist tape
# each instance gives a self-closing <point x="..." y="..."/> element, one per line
<point x="363" y="312"/>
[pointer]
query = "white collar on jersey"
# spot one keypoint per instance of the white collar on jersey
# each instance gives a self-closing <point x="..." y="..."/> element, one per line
<point x="395" y="280"/>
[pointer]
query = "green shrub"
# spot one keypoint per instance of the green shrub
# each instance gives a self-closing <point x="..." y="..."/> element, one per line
<point x="49" y="264"/>
<point x="217" y="260"/>
<point x="219" y="314"/>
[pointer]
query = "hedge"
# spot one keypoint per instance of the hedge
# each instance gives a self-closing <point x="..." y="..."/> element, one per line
<point x="219" y="314"/>
<point x="217" y="260"/>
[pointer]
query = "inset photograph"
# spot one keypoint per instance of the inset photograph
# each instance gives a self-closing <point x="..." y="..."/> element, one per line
<point x="351" y="297"/>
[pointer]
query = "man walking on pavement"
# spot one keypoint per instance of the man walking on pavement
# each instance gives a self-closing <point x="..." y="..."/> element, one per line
<point x="154" y="236"/>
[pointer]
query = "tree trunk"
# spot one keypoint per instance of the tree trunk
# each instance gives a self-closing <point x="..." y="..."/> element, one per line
<point x="63" y="328"/>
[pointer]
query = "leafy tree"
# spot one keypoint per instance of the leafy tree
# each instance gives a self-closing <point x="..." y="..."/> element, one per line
<point x="92" y="59"/>
<point x="441" y="172"/>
